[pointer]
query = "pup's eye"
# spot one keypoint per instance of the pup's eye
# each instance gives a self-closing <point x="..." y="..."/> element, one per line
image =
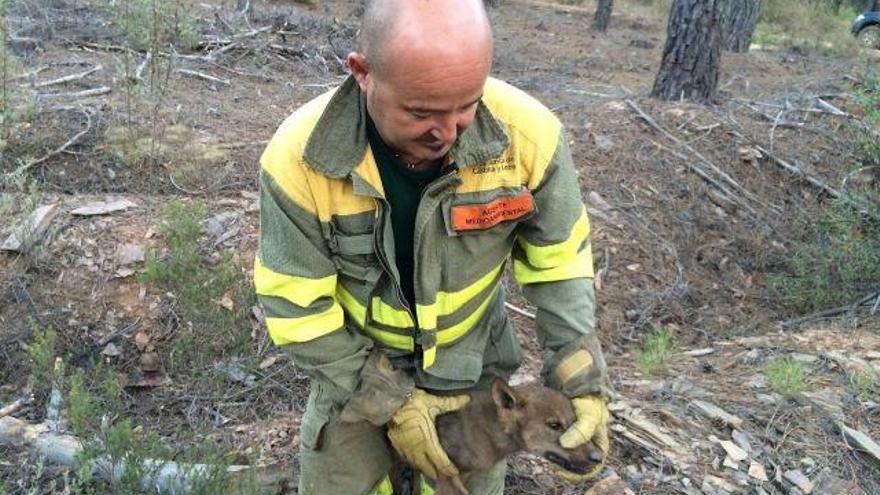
<point x="555" y="425"/>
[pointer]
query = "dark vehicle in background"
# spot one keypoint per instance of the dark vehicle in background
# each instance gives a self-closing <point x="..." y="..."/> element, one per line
<point x="867" y="28"/>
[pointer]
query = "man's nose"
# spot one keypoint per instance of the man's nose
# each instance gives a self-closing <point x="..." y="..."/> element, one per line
<point x="446" y="129"/>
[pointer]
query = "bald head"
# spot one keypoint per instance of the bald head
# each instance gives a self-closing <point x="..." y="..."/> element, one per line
<point x="393" y="29"/>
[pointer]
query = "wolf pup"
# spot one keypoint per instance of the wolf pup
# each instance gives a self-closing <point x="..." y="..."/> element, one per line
<point x="504" y="420"/>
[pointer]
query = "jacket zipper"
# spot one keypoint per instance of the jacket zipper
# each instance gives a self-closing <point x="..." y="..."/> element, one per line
<point x="386" y="266"/>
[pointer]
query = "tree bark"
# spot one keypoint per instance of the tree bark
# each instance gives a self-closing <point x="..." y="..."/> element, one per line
<point x="691" y="57"/>
<point x="738" y="20"/>
<point x="602" y="15"/>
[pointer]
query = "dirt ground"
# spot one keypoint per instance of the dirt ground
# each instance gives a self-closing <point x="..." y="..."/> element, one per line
<point x="670" y="251"/>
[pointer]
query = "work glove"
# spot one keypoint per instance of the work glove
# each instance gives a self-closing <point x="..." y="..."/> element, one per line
<point x="414" y="435"/>
<point x="591" y="425"/>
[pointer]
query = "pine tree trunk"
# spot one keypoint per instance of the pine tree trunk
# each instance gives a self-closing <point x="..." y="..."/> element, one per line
<point x="738" y="20"/>
<point x="689" y="68"/>
<point x="603" y="15"/>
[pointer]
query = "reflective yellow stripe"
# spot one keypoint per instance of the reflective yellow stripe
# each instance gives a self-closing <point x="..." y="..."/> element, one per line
<point x="580" y="267"/>
<point x="533" y="128"/>
<point x="429" y="355"/>
<point x="451" y="334"/>
<point x="425" y="486"/>
<point x="562" y="252"/>
<point x="301" y="291"/>
<point x="384" y="487"/>
<point x="449" y="302"/>
<point x="391" y="339"/>
<point x="352" y="306"/>
<point x="358" y="312"/>
<point x="386" y="315"/>
<point x="305" y="328"/>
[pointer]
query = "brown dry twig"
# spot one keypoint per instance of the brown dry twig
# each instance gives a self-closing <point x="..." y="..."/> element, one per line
<point x="76" y="137"/>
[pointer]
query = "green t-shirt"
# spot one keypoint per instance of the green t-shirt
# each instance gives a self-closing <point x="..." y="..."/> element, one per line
<point x="403" y="191"/>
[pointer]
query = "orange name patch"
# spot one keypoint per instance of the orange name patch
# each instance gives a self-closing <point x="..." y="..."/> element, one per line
<point x="483" y="216"/>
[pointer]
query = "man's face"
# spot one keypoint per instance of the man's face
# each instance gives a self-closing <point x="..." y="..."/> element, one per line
<point x="420" y="109"/>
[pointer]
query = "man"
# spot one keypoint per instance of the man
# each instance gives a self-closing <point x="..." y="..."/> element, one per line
<point x="389" y="207"/>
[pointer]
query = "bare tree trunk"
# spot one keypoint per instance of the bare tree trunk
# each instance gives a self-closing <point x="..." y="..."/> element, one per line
<point x="692" y="54"/>
<point x="603" y="15"/>
<point x="738" y="20"/>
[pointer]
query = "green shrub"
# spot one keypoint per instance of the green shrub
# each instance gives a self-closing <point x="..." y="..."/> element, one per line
<point x="180" y="224"/>
<point x="865" y="384"/>
<point x="786" y="376"/>
<point x="655" y="352"/>
<point x="209" y="330"/>
<point x="838" y="259"/>
<point x="41" y="355"/>
<point x="817" y="26"/>
<point x="147" y="24"/>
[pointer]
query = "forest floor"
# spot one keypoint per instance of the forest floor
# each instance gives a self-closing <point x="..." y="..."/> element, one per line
<point x="681" y="266"/>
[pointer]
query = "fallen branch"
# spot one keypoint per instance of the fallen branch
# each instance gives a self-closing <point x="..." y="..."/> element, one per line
<point x="862" y="440"/>
<point x="554" y="5"/>
<point x="244" y="144"/>
<point x="724" y="193"/>
<point x="834" y="193"/>
<point x="103" y="90"/>
<point x="53" y="407"/>
<point x="792" y="109"/>
<point x="65" y="79"/>
<point x="139" y="72"/>
<point x="799" y="172"/>
<point x="832" y="109"/>
<point x="15" y="406"/>
<point x="61" y="148"/>
<point x="173" y="477"/>
<point x="705" y="161"/>
<point x="831" y="312"/>
<point x="206" y="77"/>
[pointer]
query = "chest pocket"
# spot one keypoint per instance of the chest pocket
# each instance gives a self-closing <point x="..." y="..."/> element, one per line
<point x="352" y="249"/>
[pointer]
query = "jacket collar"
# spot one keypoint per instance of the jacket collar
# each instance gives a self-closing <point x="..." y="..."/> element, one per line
<point x="338" y="143"/>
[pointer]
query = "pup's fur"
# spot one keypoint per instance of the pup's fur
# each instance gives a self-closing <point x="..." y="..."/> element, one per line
<point x="504" y="420"/>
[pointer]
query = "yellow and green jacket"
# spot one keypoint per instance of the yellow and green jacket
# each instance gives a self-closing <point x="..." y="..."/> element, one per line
<point x="325" y="272"/>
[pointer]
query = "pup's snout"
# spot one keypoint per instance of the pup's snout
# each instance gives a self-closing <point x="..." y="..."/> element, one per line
<point x="595" y="455"/>
<point x="565" y="463"/>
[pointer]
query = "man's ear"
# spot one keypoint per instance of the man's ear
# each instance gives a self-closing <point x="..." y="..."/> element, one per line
<point x="503" y="396"/>
<point x="360" y="68"/>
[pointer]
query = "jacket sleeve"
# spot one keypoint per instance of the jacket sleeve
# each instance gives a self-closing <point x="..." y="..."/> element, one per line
<point x="296" y="284"/>
<point x="552" y="261"/>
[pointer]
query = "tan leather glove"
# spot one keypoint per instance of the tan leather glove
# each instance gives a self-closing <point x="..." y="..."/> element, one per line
<point x="591" y="425"/>
<point x="413" y="434"/>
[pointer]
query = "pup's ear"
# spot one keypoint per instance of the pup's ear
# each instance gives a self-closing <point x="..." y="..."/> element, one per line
<point x="503" y="396"/>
